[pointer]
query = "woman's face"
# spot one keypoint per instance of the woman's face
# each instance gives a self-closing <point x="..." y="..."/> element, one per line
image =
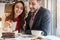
<point x="18" y="9"/>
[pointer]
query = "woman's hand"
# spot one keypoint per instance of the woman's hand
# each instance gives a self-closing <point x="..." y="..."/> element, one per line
<point x="6" y="25"/>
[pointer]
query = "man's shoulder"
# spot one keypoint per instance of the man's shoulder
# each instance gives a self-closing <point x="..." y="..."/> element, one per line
<point x="43" y="9"/>
<point x="44" y="12"/>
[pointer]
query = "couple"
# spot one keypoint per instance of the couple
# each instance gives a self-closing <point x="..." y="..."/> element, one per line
<point x="38" y="18"/>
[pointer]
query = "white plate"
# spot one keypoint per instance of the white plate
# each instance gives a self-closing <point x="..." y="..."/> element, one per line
<point x="24" y="35"/>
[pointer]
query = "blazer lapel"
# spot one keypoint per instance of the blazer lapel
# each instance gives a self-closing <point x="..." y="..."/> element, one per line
<point x="37" y="16"/>
<point x="35" y="19"/>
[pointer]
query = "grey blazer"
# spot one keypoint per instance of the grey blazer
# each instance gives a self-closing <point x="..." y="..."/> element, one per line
<point x="41" y="21"/>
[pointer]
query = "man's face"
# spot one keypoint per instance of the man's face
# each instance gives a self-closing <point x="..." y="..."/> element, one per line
<point x="33" y="5"/>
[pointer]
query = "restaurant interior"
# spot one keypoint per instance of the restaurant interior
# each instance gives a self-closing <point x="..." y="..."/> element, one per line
<point x="52" y="5"/>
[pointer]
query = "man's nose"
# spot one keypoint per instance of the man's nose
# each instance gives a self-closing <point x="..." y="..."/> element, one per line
<point x="30" y="6"/>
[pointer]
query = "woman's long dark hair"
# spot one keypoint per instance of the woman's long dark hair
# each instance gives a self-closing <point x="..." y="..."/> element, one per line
<point x="22" y="16"/>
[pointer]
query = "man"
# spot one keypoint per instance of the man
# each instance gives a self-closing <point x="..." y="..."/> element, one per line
<point x="38" y="18"/>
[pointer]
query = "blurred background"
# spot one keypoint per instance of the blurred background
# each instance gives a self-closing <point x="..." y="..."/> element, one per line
<point x="52" y="5"/>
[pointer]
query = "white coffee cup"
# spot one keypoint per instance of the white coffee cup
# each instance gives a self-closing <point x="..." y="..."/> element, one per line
<point x="37" y="33"/>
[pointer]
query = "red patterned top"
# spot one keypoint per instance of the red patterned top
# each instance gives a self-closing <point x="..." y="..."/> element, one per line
<point x="18" y="23"/>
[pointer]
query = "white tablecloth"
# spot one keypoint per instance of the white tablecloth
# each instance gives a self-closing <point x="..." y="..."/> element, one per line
<point x="26" y="38"/>
<point x="52" y="37"/>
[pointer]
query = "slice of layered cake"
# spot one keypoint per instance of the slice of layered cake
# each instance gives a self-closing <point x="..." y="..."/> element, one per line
<point x="8" y="35"/>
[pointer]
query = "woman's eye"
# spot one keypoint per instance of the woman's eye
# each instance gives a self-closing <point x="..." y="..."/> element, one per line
<point x="21" y="8"/>
<point x="17" y="7"/>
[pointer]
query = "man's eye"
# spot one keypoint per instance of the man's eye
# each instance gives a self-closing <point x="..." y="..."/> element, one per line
<point x="33" y="3"/>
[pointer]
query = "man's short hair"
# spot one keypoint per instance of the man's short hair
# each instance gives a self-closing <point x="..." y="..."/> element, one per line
<point x="39" y="0"/>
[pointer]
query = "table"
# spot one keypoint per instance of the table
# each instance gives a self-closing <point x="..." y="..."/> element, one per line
<point x="51" y="37"/>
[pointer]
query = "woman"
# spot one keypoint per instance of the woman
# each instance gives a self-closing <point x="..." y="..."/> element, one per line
<point x="18" y="15"/>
